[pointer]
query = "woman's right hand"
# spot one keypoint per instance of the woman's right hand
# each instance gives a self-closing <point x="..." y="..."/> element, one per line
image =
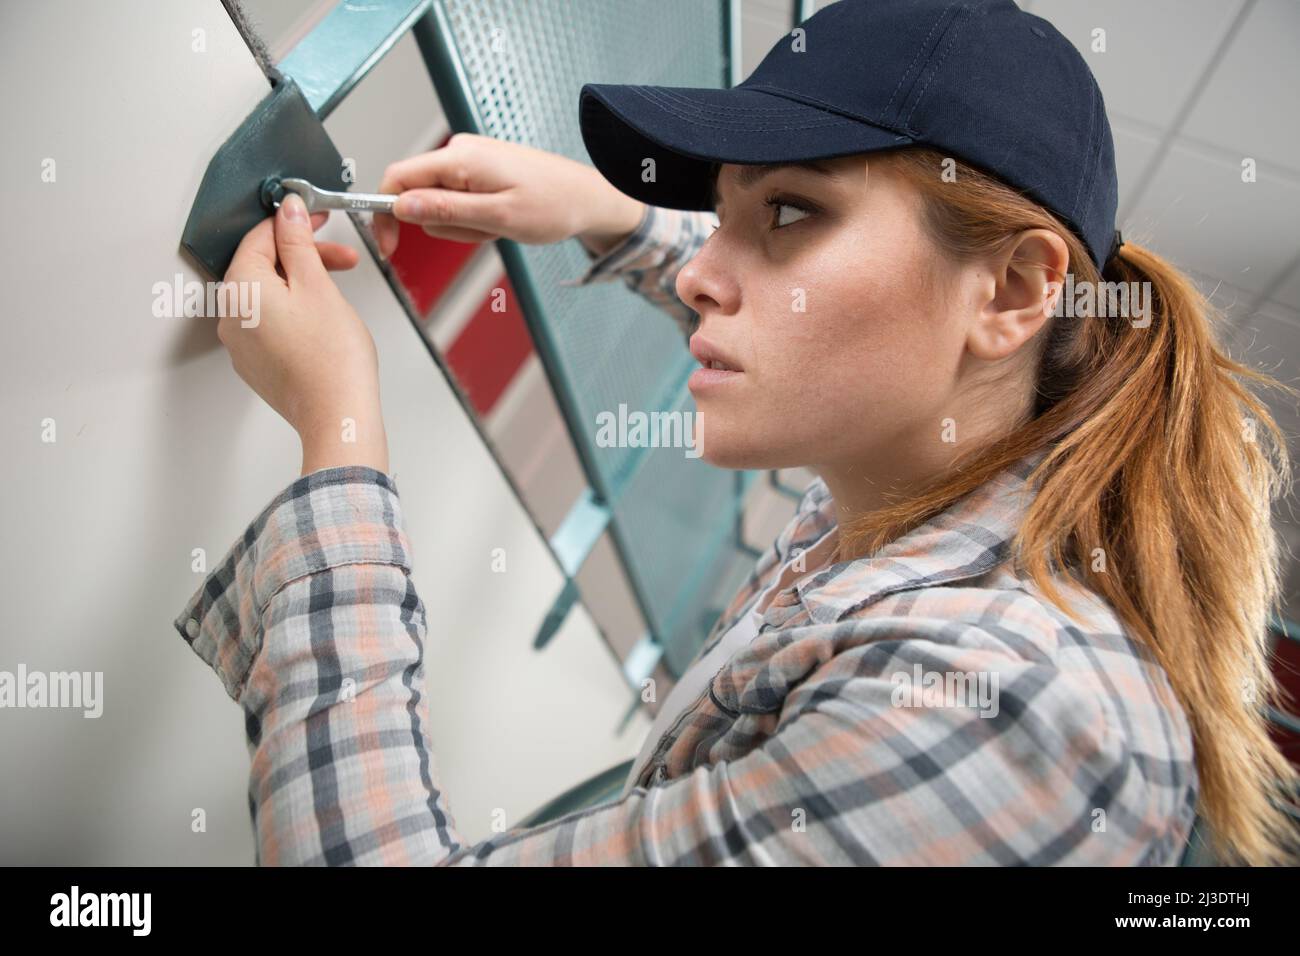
<point x="476" y="189"/>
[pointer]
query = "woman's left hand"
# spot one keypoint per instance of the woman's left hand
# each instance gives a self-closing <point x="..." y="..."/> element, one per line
<point x="305" y="351"/>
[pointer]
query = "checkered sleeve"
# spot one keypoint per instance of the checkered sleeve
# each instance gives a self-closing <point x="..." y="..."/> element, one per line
<point x="313" y="625"/>
<point x="650" y="257"/>
<point x="857" y="769"/>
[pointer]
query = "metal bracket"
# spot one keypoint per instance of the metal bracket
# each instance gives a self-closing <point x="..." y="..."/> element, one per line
<point x="281" y="138"/>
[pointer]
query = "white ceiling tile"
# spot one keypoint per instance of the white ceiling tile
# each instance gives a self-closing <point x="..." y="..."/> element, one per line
<point x="1248" y="106"/>
<point x="1289" y="293"/>
<point x="1233" y="302"/>
<point x="1269" y="340"/>
<point x="1155" y="50"/>
<point x="1197" y="212"/>
<point x="1272" y="337"/>
<point x="1290" y="531"/>
<point x="1134" y="150"/>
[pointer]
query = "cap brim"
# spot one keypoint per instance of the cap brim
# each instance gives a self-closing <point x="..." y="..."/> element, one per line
<point x="686" y="130"/>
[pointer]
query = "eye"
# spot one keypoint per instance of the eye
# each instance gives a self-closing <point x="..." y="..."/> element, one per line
<point x="781" y="205"/>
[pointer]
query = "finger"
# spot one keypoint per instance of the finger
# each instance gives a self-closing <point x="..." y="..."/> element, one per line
<point x="255" y="256"/>
<point x="399" y="177"/>
<point x="386" y="232"/>
<point x="337" y="257"/>
<point x="445" y="166"/>
<point x="460" y="235"/>
<point x="334" y="256"/>
<point x="295" y="243"/>
<point x="449" y="207"/>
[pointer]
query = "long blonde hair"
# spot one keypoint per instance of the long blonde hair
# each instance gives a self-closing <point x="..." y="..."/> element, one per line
<point x="1157" y="454"/>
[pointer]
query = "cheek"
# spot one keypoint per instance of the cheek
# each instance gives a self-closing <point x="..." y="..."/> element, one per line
<point x="873" y="328"/>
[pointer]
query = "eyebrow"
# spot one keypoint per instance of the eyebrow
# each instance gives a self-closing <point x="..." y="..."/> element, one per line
<point x="751" y="173"/>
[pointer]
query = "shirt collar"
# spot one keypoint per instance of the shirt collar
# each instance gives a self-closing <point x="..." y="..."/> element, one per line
<point x="971" y="537"/>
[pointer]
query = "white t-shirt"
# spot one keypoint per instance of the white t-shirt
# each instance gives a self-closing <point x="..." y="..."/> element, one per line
<point x="698" y="675"/>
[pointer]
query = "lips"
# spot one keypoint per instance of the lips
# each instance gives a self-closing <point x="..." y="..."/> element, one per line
<point x="710" y="356"/>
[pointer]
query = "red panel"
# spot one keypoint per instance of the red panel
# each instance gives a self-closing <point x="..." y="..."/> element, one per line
<point x="490" y="349"/>
<point x="426" y="266"/>
<point x="492" y="346"/>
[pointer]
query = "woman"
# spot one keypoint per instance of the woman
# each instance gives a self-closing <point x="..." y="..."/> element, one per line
<point x="1018" y="618"/>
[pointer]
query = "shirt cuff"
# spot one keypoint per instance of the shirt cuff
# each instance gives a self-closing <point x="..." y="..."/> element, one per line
<point x="604" y="265"/>
<point x="331" y="517"/>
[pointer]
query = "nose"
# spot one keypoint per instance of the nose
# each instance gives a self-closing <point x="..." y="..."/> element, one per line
<point x="707" y="283"/>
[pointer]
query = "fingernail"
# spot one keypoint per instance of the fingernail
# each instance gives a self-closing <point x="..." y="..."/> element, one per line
<point x="295" y="210"/>
<point x="413" y="208"/>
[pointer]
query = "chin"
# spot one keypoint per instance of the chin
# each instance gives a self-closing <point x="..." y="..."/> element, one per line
<point x="720" y="453"/>
<point x="724" y="447"/>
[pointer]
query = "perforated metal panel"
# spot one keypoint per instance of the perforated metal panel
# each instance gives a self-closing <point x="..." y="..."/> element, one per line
<point x="512" y="69"/>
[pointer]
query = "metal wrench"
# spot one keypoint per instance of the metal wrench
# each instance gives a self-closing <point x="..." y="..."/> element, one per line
<point x="318" y="200"/>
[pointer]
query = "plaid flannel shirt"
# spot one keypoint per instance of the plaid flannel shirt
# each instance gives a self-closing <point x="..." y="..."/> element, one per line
<point x="826" y="740"/>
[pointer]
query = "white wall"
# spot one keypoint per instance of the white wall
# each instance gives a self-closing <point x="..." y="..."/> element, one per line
<point x="161" y="449"/>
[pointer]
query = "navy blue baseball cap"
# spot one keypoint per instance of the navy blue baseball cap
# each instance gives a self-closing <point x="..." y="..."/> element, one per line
<point x="979" y="80"/>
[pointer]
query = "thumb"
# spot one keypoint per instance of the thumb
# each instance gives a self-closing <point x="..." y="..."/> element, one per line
<point x="294" y="241"/>
<point x="255" y="257"/>
<point x="453" y="207"/>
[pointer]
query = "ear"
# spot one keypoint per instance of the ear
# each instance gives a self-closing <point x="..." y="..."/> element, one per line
<point x="1019" y="294"/>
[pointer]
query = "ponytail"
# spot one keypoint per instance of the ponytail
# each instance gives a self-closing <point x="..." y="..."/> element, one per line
<point x="1158" y="458"/>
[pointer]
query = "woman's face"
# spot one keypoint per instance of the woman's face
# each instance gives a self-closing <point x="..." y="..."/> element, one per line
<point x="823" y="289"/>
